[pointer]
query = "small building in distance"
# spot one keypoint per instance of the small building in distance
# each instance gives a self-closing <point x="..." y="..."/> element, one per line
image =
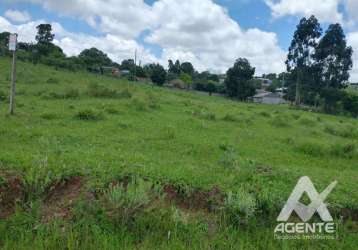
<point x="269" y="98"/>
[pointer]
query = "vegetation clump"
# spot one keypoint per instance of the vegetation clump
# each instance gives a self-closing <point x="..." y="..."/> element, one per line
<point x="89" y="115"/>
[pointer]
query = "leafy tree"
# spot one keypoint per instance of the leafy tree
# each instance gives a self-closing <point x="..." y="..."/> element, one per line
<point x="238" y="81"/>
<point x="187" y="68"/>
<point x="334" y="58"/>
<point x="157" y="73"/>
<point x="301" y="51"/>
<point x="334" y="61"/>
<point x="174" y="68"/>
<point x="44" y="34"/>
<point x="187" y="79"/>
<point x="94" y="58"/>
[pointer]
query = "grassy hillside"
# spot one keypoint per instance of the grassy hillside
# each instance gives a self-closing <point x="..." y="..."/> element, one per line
<point x="77" y="138"/>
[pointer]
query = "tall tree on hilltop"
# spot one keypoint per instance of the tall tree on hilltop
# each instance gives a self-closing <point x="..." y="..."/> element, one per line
<point x="238" y="80"/>
<point x="334" y="59"/>
<point x="187" y="68"/>
<point x="301" y="52"/>
<point x="44" y="33"/>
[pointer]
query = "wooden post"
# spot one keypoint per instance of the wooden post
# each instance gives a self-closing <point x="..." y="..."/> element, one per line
<point x="13" y="84"/>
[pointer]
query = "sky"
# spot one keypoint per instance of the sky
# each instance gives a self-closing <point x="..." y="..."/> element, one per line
<point x="211" y="34"/>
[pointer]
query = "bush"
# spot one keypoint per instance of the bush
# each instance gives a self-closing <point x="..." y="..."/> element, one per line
<point x="96" y="90"/>
<point x="239" y="207"/>
<point x="229" y="159"/>
<point x="345" y="151"/>
<point x="125" y="202"/>
<point x="312" y="149"/>
<point x="265" y="114"/>
<point x="89" y="115"/>
<point x="345" y="132"/>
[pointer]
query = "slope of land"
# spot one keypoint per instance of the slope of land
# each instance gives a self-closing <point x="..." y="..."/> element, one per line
<point x="79" y="152"/>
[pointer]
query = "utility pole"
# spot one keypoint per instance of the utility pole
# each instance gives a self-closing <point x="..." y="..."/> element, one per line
<point x="12" y="47"/>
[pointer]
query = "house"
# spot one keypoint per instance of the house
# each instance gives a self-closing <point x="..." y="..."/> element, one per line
<point x="269" y="98"/>
<point x="265" y="82"/>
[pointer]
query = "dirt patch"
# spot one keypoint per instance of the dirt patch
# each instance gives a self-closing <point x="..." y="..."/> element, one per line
<point x="61" y="199"/>
<point x="196" y="200"/>
<point x="11" y="191"/>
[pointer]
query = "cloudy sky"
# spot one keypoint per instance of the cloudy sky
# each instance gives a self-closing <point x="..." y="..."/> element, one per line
<point x="209" y="33"/>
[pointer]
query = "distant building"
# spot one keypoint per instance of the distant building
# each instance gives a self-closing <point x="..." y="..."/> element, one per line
<point x="265" y="82"/>
<point x="269" y="98"/>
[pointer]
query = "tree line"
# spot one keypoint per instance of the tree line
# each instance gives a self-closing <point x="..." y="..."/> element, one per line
<point x="317" y="68"/>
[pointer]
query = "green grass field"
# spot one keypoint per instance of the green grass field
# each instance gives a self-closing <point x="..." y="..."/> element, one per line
<point x="93" y="162"/>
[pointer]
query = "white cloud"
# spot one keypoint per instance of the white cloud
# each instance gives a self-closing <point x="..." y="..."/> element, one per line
<point x="18" y="16"/>
<point x="324" y="10"/>
<point x="352" y="40"/>
<point x="205" y="34"/>
<point x="116" y="47"/>
<point x="126" y="18"/>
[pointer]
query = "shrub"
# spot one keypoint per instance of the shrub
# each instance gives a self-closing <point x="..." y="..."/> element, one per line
<point x="89" y="115"/>
<point x="345" y="151"/>
<point x="239" y="207"/>
<point x="265" y="114"/>
<point x="125" y="202"/>
<point x="229" y="159"/>
<point x="345" y="132"/>
<point x="312" y="149"/>
<point x="96" y="90"/>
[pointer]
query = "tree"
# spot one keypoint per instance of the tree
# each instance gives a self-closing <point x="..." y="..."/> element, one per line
<point x="187" y="68"/>
<point x="187" y="79"/>
<point x="238" y="81"/>
<point x="174" y="68"/>
<point x="334" y="61"/>
<point x="94" y="58"/>
<point x="301" y="51"/>
<point x="156" y="72"/>
<point x="334" y="58"/>
<point x="44" y="34"/>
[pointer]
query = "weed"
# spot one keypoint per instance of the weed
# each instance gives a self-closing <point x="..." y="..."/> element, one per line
<point x="239" y="207"/>
<point x="229" y="158"/>
<point x="312" y="149"/>
<point x="89" y="115"/>
<point x="265" y="114"/>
